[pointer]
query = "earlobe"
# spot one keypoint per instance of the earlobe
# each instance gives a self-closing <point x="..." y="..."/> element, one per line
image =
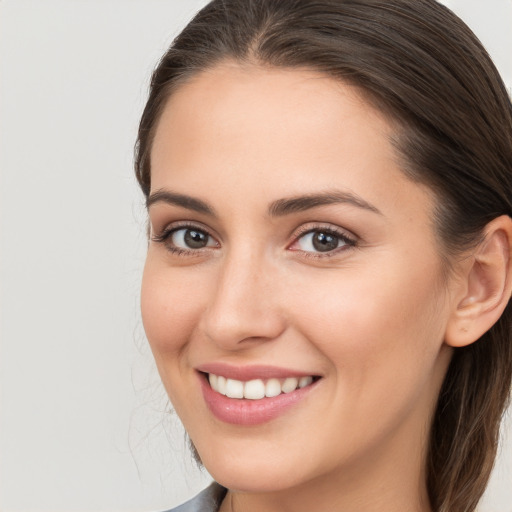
<point x="487" y="282"/>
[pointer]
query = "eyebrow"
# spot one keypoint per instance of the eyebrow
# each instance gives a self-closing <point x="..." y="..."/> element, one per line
<point x="278" y="208"/>
<point x="302" y="203"/>
<point x="183" y="200"/>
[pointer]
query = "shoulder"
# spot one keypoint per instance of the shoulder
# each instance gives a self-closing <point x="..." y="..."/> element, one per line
<point x="208" y="500"/>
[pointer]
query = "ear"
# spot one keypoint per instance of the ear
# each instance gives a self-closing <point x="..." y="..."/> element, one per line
<point x="486" y="285"/>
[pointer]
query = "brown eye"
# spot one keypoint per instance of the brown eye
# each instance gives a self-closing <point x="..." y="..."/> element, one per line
<point x="324" y="242"/>
<point x="190" y="238"/>
<point x="195" y="239"/>
<point x="318" y="241"/>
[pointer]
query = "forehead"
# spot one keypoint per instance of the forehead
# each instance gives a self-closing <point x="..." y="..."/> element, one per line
<point x="242" y="97"/>
<point x="272" y="133"/>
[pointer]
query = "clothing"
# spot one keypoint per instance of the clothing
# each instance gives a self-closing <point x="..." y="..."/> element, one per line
<point x="208" y="500"/>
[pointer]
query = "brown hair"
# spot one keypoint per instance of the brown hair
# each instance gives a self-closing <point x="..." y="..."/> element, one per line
<point x="424" y="68"/>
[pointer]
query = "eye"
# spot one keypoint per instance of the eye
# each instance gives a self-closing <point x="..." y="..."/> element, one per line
<point x="321" y="241"/>
<point x="185" y="240"/>
<point x="190" y="238"/>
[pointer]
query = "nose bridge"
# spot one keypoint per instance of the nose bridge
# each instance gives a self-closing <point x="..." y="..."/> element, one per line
<point x="243" y="304"/>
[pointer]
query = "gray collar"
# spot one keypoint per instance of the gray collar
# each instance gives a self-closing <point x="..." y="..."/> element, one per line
<point x="208" y="500"/>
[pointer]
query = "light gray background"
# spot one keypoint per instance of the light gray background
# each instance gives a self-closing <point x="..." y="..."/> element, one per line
<point x="84" y="421"/>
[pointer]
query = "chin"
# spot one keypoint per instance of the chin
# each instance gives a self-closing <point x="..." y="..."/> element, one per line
<point x="254" y="479"/>
<point x="246" y="472"/>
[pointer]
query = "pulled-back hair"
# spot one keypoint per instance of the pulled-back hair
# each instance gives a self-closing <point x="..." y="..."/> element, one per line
<point x="420" y="65"/>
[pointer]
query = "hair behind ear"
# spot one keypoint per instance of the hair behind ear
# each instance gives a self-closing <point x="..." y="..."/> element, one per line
<point x="465" y="431"/>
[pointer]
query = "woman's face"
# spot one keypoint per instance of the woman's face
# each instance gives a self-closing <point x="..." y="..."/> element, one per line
<point x="286" y="243"/>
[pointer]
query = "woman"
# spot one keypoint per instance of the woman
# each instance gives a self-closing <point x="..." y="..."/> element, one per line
<point x="328" y="275"/>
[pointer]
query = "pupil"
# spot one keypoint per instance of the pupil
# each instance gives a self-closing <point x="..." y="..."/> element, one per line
<point x="324" y="242"/>
<point x="195" y="239"/>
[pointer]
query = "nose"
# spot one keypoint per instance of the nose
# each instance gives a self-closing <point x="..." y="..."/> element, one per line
<point x="243" y="307"/>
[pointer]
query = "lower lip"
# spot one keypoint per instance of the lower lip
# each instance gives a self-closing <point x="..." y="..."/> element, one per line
<point x="250" y="412"/>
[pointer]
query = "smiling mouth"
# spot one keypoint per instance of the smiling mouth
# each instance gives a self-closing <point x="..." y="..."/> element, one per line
<point x="257" y="389"/>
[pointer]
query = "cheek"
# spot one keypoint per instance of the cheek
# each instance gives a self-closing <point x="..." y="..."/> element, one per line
<point x="382" y="343"/>
<point x="170" y="308"/>
<point x="388" y="324"/>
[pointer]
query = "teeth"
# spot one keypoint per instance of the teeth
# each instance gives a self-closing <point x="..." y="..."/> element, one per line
<point x="305" y="381"/>
<point x="257" y="388"/>
<point x="234" y="388"/>
<point x="254" y="389"/>
<point x="221" y="384"/>
<point x="272" y="387"/>
<point x="290" y="384"/>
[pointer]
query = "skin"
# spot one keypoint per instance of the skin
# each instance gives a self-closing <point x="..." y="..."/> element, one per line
<point x="369" y="318"/>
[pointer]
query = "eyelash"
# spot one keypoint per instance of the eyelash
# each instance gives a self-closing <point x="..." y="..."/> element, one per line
<point x="349" y="242"/>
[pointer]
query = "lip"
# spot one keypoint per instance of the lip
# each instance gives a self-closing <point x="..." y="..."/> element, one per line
<point x="250" y="412"/>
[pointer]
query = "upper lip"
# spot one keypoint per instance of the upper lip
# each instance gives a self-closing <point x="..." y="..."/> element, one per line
<point x="250" y="372"/>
